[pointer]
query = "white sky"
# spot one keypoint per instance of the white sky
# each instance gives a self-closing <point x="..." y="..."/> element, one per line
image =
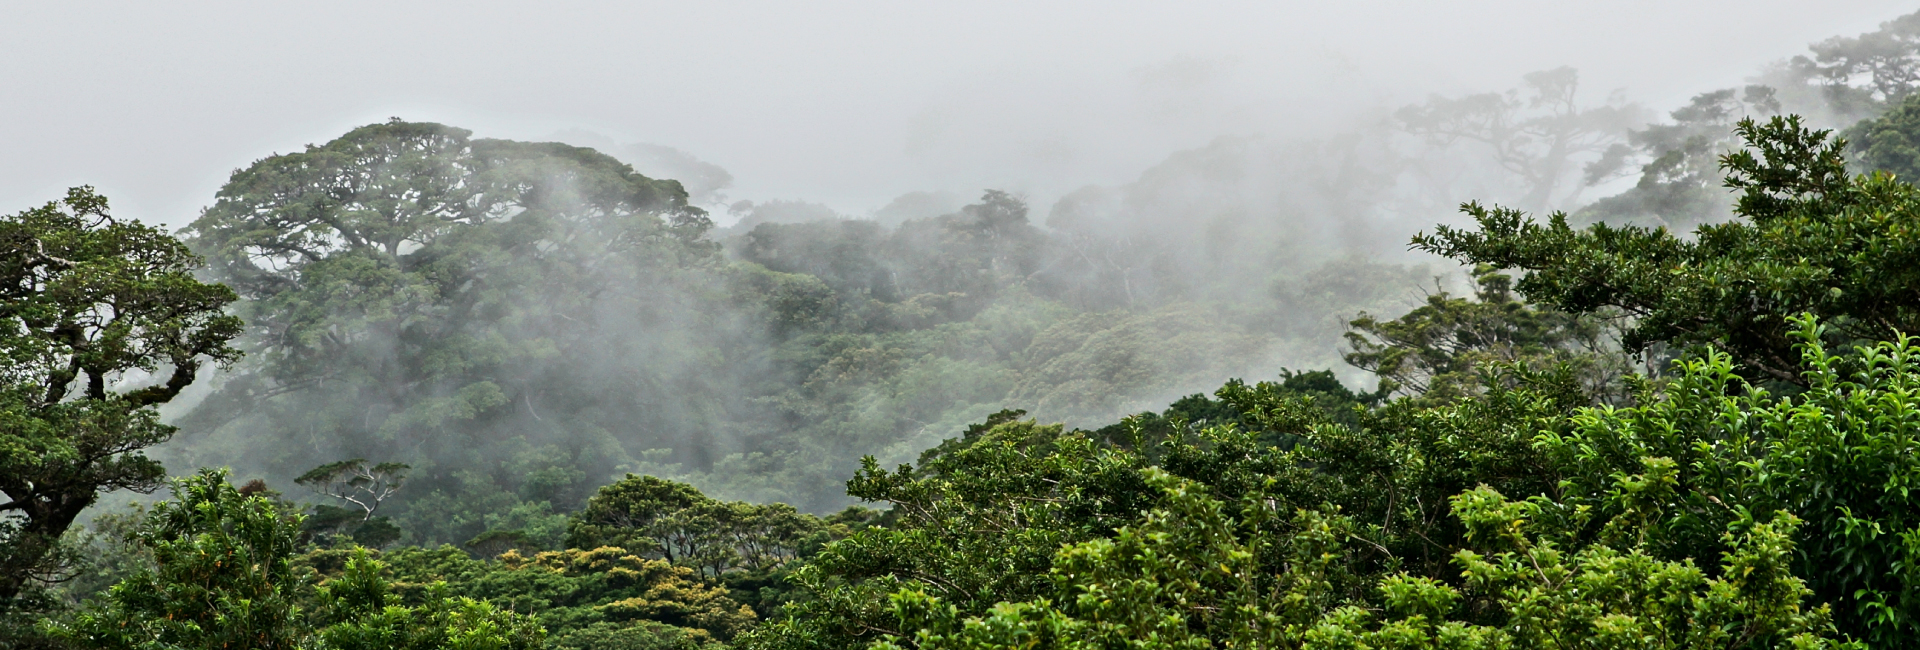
<point x="847" y="103"/>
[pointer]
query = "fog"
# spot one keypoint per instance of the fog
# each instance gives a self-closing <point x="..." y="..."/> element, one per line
<point x="909" y="218"/>
<point x="845" y="104"/>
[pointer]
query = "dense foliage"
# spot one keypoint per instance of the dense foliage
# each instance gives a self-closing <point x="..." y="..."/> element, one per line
<point x="101" y="320"/>
<point x="540" y="401"/>
<point x="1811" y="238"/>
<point x="224" y="575"/>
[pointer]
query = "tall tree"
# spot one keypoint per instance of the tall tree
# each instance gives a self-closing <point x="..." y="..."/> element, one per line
<point x="422" y="296"/>
<point x="101" y="320"/>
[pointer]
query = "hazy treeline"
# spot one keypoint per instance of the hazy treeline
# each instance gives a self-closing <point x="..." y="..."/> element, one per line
<point x="521" y="322"/>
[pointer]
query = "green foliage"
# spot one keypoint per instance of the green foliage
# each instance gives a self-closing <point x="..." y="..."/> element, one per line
<point x="1597" y="596"/>
<point x="1434" y="351"/>
<point x="1182" y="578"/>
<point x="222" y="577"/>
<point x="1889" y="143"/>
<point x="1710" y="513"/>
<point x="488" y="312"/>
<point x="740" y="544"/>
<point x="632" y="513"/>
<point x="106" y="553"/>
<point x="93" y="311"/>
<point x="362" y="612"/>
<point x="363" y="485"/>
<point x="1680" y="181"/>
<point x="1810" y="239"/>
<point x="601" y="592"/>
<point x="1838" y="456"/>
<point x="982" y="520"/>
<point x="223" y="574"/>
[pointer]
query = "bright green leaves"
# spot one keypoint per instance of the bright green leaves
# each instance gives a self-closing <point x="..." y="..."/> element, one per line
<point x="1715" y="452"/>
<point x="1617" y="595"/>
<point x="1184" y="578"/>
<point x="1708" y="514"/>
<point x="224" y="576"/>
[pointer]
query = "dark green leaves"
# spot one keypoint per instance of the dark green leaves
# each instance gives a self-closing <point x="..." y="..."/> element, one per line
<point x="1810" y="239"/>
<point x="100" y="320"/>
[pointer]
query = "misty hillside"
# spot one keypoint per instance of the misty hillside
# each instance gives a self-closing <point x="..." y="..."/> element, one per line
<point x="1535" y="365"/>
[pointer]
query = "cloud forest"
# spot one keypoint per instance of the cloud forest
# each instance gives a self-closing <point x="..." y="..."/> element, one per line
<point x="1652" y="385"/>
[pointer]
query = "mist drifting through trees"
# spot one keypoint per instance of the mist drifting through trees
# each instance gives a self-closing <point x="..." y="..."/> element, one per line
<point x="1531" y="362"/>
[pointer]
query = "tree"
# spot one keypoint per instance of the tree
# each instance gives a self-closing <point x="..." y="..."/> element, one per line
<point x="1395" y="528"/>
<point x="1680" y="179"/>
<point x="626" y="512"/>
<point x="101" y="320"/>
<point x="1809" y="238"/>
<point x="1537" y="132"/>
<point x="361" y="612"/>
<point x="575" y="594"/>
<point x="354" y="481"/>
<point x="365" y="487"/>
<point x="511" y="318"/>
<point x="1889" y="143"/>
<point x="222" y="577"/>
<point x="1437" y="350"/>
<point x="1838" y="455"/>
<point x="225" y="575"/>
<point x="1183" y="578"/>
<point x="1858" y="76"/>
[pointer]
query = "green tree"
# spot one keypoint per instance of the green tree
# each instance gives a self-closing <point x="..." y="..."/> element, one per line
<point x="1809" y="238"/>
<point x="1183" y="578"/>
<point x="513" y="320"/>
<point x="576" y="594"/>
<point x="1437" y="350"/>
<point x="1889" y="143"/>
<point x="101" y="320"/>
<point x="980" y="521"/>
<point x="732" y="541"/>
<point x="222" y="577"/>
<point x="1680" y="180"/>
<point x="628" y="512"/>
<point x="360" y="611"/>
<point x="1837" y="455"/>
<point x="362" y="485"/>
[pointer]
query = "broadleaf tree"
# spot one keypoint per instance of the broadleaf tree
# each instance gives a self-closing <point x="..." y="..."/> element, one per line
<point x="101" y="321"/>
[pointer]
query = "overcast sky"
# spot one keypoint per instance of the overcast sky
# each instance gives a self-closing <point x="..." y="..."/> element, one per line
<point x="846" y="103"/>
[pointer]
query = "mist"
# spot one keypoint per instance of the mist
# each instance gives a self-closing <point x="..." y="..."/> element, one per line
<point x="845" y="104"/>
<point x="745" y="245"/>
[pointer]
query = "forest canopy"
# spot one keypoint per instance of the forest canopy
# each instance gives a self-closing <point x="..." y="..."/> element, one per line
<point x="426" y="390"/>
